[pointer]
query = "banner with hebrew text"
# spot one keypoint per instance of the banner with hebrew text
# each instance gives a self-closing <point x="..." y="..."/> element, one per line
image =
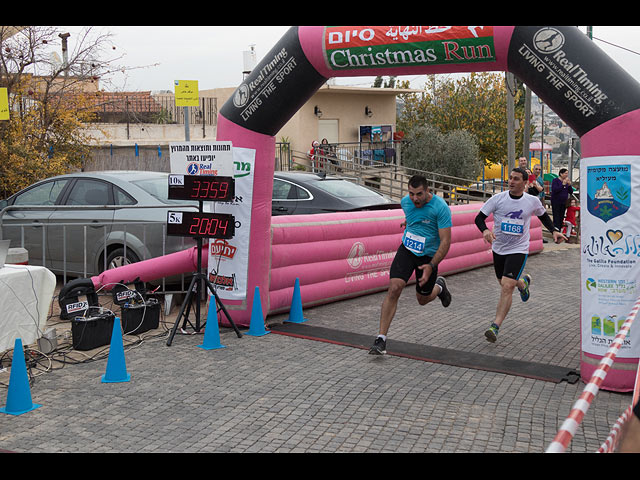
<point x="610" y="242"/>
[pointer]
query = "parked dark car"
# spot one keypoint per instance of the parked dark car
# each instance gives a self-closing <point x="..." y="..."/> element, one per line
<point x="125" y="213"/>
<point x="304" y="193"/>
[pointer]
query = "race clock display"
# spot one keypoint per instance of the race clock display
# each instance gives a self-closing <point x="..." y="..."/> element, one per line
<point x="201" y="225"/>
<point x="207" y="188"/>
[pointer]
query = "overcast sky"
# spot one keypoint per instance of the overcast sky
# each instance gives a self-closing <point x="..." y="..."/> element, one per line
<point x="213" y="55"/>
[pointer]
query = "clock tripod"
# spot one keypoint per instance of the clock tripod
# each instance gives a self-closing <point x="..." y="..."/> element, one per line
<point x="195" y="291"/>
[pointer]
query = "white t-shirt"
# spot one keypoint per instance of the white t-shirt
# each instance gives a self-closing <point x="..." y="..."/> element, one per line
<point x="511" y="219"/>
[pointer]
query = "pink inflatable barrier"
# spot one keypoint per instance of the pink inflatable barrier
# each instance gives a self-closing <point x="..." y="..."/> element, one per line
<point x="338" y="256"/>
<point x="335" y="256"/>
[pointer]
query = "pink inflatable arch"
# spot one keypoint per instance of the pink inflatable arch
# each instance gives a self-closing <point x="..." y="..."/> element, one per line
<point x="589" y="91"/>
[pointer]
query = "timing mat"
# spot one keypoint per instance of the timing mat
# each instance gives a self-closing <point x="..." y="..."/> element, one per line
<point x="457" y="358"/>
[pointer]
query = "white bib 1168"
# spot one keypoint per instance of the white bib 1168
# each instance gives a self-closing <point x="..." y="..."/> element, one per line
<point x="512" y="226"/>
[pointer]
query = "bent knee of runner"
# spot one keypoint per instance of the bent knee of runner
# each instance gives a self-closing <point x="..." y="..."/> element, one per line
<point x="396" y="286"/>
<point x="422" y="299"/>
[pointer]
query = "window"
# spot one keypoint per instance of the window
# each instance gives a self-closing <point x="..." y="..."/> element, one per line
<point x="44" y="194"/>
<point x="158" y="187"/>
<point x="89" y="192"/>
<point x="123" y="198"/>
<point x="283" y="190"/>
<point x="345" y="189"/>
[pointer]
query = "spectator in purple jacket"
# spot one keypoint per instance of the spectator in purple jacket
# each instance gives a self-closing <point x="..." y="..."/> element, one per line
<point x="560" y="190"/>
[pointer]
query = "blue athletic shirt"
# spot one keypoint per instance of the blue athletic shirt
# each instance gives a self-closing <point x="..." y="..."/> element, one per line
<point x="421" y="235"/>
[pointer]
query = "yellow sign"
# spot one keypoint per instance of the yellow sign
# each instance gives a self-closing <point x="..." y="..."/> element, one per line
<point x="186" y="92"/>
<point x="4" y="104"/>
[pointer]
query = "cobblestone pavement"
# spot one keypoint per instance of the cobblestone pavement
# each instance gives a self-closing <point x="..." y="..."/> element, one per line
<point x="278" y="393"/>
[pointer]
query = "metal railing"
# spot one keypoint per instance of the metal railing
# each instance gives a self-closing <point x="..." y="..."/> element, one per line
<point x="365" y="153"/>
<point x="127" y="233"/>
<point x="389" y="178"/>
<point x="154" y="109"/>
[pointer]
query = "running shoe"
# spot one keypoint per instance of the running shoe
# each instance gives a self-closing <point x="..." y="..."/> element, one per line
<point x="444" y="295"/>
<point x="379" y="347"/>
<point x="524" y="292"/>
<point x="492" y="333"/>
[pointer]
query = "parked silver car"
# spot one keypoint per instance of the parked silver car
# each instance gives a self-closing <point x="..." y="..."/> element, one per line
<point x="84" y="223"/>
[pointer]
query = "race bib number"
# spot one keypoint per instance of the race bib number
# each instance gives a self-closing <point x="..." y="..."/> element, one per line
<point x="414" y="243"/>
<point x="512" y="226"/>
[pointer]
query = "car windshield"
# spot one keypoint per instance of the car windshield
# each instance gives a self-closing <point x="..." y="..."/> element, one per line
<point x="158" y="187"/>
<point x="346" y="189"/>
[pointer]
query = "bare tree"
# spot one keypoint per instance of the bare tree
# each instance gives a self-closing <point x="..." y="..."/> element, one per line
<point x="50" y="82"/>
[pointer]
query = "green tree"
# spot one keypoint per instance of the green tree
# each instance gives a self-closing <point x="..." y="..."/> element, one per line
<point x="454" y="153"/>
<point x="475" y="103"/>
<point x="380" y="83"/>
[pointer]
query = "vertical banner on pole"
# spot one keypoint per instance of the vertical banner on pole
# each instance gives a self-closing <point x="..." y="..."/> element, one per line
<point x="4" y="104"/>
<point x="229" y="259"/>
<point x="610" y="242"/>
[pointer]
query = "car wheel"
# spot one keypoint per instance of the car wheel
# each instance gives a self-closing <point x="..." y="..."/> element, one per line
<point x="117" y="258"/>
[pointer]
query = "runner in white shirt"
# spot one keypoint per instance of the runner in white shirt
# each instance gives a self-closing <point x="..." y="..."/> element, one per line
<point x="512" y="211"/>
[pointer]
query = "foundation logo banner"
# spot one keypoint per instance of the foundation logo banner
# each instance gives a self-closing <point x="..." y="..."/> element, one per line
<point x="349" y="48"/>
<point x="610" y="252"/>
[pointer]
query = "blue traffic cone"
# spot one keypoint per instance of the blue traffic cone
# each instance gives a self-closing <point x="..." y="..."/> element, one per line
<point x="256" y="324"/>
<point x="116" y="365"/>
<point x="211" y="331"/>
<point x="19" y="393"/>
<point x="295" y="314"/>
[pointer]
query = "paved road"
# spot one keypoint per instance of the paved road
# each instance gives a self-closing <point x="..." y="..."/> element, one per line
<point x="279" y="393"/>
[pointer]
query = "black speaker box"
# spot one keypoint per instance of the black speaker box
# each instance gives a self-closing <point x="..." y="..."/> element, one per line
<point x="141" y="317"/>
<point x="88" y="333"/>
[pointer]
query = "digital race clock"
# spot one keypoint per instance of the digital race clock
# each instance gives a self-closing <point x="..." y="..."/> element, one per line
<point x="208" y="188"/>
<point x="201" y="225"/>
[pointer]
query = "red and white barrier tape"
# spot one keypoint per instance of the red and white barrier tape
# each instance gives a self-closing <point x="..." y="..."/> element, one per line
<point x="611" y="442"/>
<point x="580" y="407"/>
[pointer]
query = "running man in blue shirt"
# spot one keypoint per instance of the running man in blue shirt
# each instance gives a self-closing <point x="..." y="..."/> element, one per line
<point x="425" y="243"/>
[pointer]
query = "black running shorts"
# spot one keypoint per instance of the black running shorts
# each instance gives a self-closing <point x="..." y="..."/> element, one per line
<point x="510" y="266"/>
<point x="406" y="263"/>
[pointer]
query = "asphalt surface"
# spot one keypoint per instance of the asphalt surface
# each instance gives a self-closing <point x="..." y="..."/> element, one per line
<point x="277" y="393"/>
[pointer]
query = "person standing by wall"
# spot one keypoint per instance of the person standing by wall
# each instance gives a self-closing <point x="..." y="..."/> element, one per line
<point x="560" y="190"/>
<point x="523" y="163"/>
<point x="535" y="186"/>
